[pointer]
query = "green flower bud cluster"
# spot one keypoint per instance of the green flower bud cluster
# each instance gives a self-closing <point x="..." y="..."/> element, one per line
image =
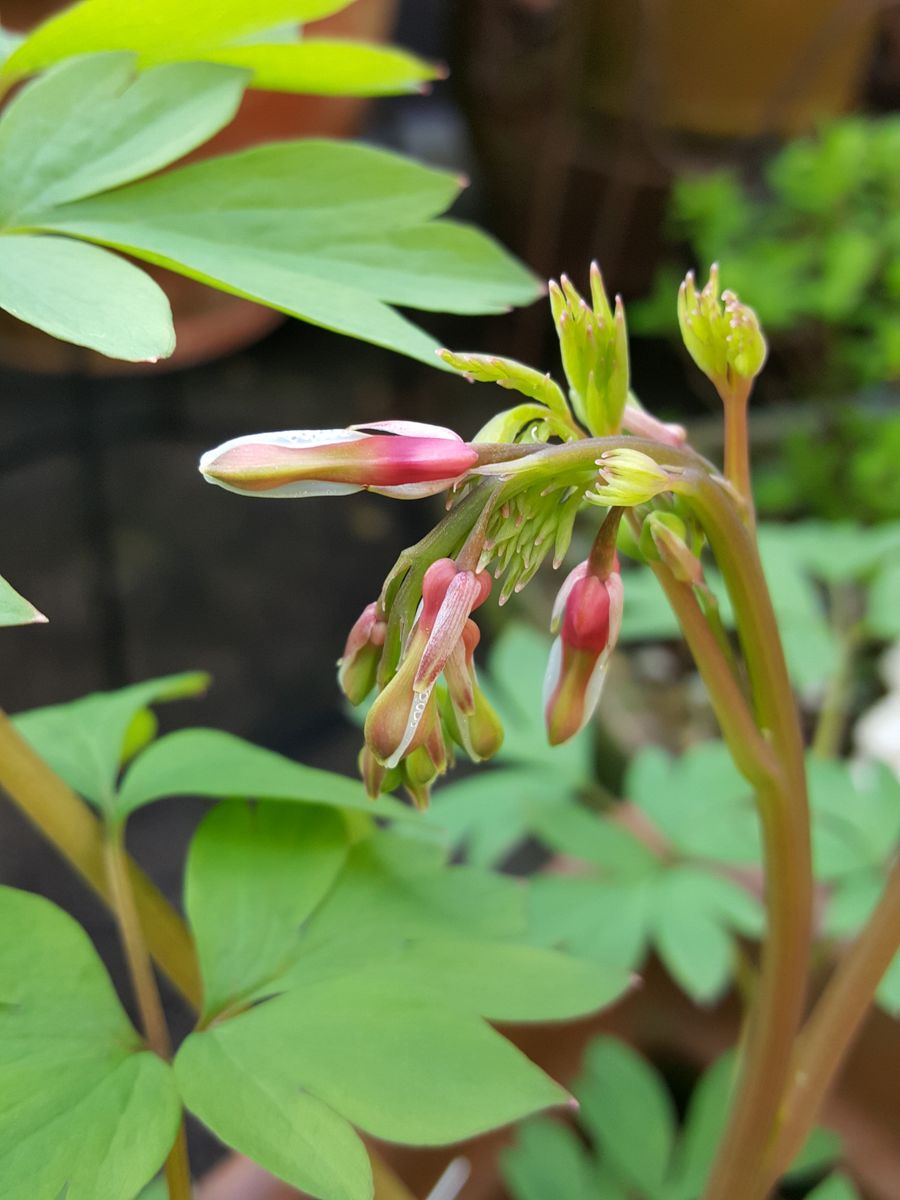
<point x="722" y="335"/>
<point x="593" y="342"/>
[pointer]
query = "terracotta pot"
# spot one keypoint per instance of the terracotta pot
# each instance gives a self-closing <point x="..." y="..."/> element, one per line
<point x="209" y="323"/>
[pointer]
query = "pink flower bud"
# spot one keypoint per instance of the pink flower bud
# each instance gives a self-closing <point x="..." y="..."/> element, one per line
<point x="408" y="461"/>
<point x="471" y="721"/>
<point x="591" y="618"/>
<point x="401" y="718"/>
<point x="358" y="665"/>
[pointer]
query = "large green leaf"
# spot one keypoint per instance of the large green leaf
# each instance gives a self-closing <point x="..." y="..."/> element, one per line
<point x="85" y="295"/>
<point x="396" y="1066"/>
<point x="86" y="740"/>
<point x="93" y="123"/>
<point x="278" y="223"/>
<point x="255" y="1104"/>
<point x="86" y="1111"/>
<point x="282" y="198"/>
<point x="208" y="762"/>
<point x="159" y="30"/>
<point x="266" y="867"/>
<point x="323" y="66"/>
<point x="372" y="978"/>
<point x="15" y="609"/>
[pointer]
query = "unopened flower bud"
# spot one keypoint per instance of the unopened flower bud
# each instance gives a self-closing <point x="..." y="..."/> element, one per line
<point x="404" y="715"/>
<point x="590" y="621"/>
<point x="406" y="461"/>
<point x="628" y="477"/>
<point x="469" y="716"/>
<point x="358" y="666"/>
<point x="664" y="537"/>
<point x="593" y="343"/>
<point x="722" y="335"/>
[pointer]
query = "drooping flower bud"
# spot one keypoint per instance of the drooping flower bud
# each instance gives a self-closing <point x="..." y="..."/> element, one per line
<point x="589" y="617"/>
<point x="358" y="665"/>
<point x="408" y="460"/>
<point x="404" y="716"/>
<point x="722" y="336"/>
<point x="471" y="720"/>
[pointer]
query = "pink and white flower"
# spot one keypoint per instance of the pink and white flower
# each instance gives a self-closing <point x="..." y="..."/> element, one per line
<point x="588" y="614"/>
<point x="405" y="459"/>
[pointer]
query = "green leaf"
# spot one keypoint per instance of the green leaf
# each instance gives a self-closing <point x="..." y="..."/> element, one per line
<point x="836" y="1187"/>
<point x="157" y="1190"/>
<point x="548" y="1161"/>
<point x="516" y="668"/>
<point x="328" y="67"/>
<point x="208" y="762"/>
<point x="856" y="817"/>
<point x="264" y="870"/>
<point x="690" y="928"/>
<point x="888" y="994"/>
<point x="402" y="266"/>
<point x="84" y="741"/>
<point x="608" y="923"/>
<point x="256" y="1106"/>
<point x="158" y="31"/>
<point x="487" y="814"/>
<point x="595" y="839"/>
<point x="286" y="217"/>
<point x="366" y="1050"/>
<point x="821" y="1149"/>
<point x="500" y="981"/>
<point x="706" y="1116"/>
<point x="395" y="894"/>
<point x="628" y="1112"/>
<point x="93" y="123"/>
<point x="698" y="801"/>
<point x="881" y="612"/>
<point x="851" y="901"/>
<point x="15" y="609"/>
<point x="85" y="295"/>
<point x="75" y="1074"/>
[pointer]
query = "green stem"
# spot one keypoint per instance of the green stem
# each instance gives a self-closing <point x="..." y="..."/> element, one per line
<point x="775" y="1018"/>
<point x="737" y="443"/>
<point x="835" y="1021"/>
<point x="140" y="969"/>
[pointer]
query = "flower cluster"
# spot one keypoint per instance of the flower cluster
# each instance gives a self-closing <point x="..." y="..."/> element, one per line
<point x="514" y="493"/>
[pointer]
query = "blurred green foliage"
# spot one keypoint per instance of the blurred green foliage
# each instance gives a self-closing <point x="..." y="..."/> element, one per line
<point x="813" y="246"/>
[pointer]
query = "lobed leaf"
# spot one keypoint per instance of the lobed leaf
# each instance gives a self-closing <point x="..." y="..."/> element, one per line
<point x="87" y="1111"/>
<point x="85" y="740"/>
<point x="208" y="762"/>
